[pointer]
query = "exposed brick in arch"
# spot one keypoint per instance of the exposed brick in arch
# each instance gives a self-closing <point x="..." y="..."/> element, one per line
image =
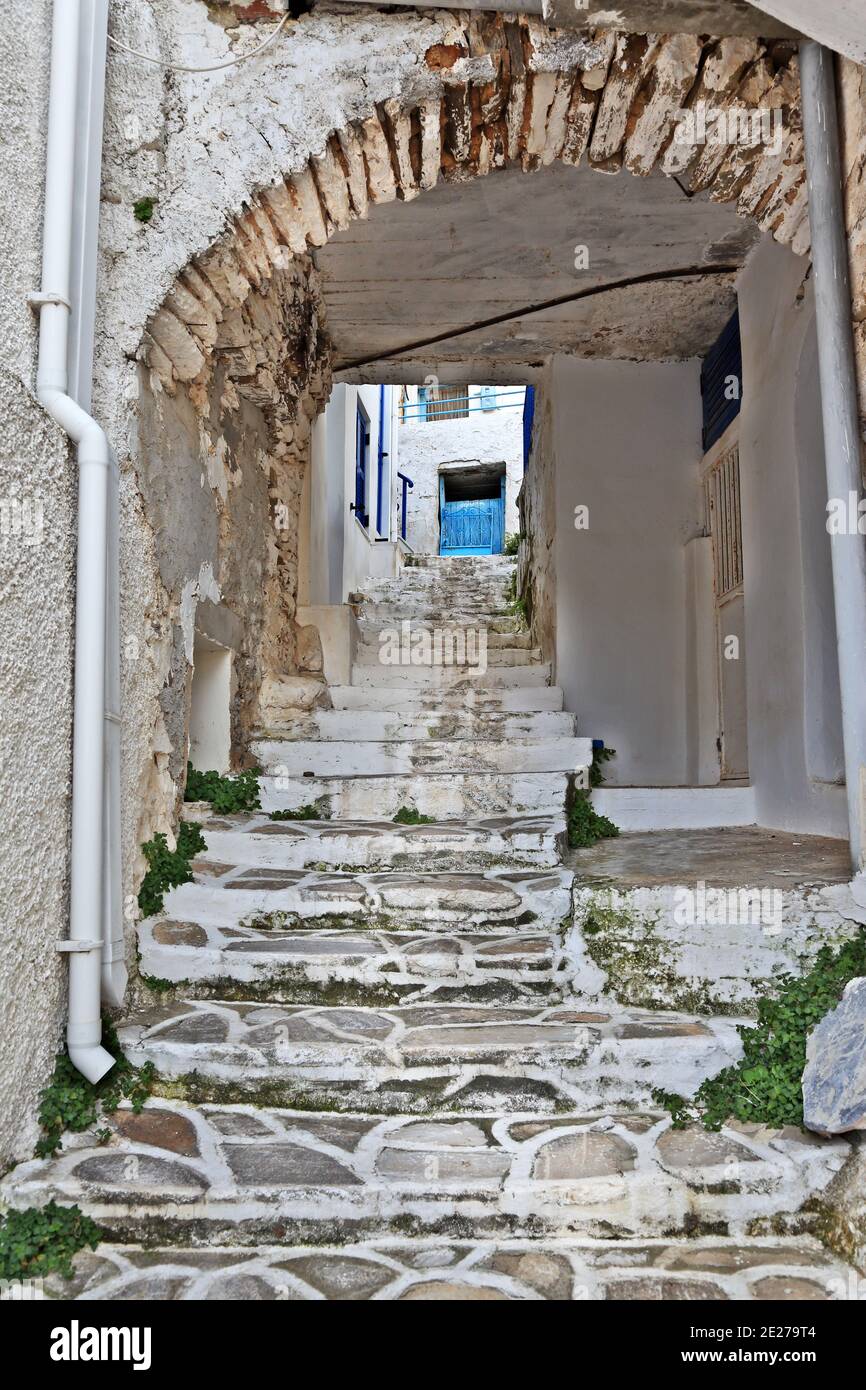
<point x="243" y="321"/>
<point x="500" y="92"/>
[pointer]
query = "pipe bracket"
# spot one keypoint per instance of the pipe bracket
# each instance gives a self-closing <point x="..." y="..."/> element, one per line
<point x="37" y="299"/>
<point x="70" y="947"/>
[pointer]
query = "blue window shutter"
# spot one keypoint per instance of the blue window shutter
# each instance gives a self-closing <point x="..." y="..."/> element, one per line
<point x="528" y="419"/>
<point x="362" y="451"/>
<point x="722" y="382"/>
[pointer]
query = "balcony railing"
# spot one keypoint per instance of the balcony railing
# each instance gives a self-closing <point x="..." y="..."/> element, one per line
<point x="407" y="484"/>
<point x="445" y="407"/>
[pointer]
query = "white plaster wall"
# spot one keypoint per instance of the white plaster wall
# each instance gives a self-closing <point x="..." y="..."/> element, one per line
<point x="627" y="442"/>
<point x="792" y="677"/>
<point x="353" y="551"/>
<point x="36" y="596"/>
<point x="482" y="437"/>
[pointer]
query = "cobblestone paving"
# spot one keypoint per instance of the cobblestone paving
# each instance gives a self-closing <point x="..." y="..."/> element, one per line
<point x="559" y="1270"/>
<point x="376" y="1076"/>
<point x="239" y="1167"/>
<point x="417" y="1057"/>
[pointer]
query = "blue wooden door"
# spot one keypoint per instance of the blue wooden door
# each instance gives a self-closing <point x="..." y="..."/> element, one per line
<point x="471" y="527"/>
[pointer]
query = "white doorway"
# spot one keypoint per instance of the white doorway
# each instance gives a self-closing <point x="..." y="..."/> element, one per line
<point x="209" y="719"/>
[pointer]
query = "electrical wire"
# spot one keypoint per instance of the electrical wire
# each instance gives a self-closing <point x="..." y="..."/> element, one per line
<point x="213" y="67"/>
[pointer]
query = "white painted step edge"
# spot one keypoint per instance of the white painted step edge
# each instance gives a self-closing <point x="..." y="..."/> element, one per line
<point x="676" y="808"/>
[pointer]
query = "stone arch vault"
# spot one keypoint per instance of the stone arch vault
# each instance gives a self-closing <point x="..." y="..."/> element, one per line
<point x="494" y="92"/>
<point x="241" y="332"/>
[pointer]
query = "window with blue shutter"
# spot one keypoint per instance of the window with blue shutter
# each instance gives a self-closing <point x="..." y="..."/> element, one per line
<point x="722" y="382"/>
<point x="362" y="457"/>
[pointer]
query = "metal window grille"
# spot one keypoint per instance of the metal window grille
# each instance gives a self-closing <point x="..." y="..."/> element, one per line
<point x="722" y="489"/>
<point x="451" y="403"/>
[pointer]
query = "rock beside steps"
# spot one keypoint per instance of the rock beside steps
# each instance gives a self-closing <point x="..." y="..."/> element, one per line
<point x="377" y="1077"/>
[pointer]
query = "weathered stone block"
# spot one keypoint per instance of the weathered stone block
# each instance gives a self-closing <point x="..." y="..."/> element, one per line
<point x="834" y="1082"/>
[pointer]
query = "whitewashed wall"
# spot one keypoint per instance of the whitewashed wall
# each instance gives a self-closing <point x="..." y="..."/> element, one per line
<point x="627" y="439"/>
<point x="37" y="576"/>
<point x="793" y="688"/>
<point x="341" y="552"/>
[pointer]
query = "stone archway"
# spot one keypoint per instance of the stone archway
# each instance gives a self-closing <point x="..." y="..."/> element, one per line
<point x="241" y="326"/>
<point x="503" y="92"/>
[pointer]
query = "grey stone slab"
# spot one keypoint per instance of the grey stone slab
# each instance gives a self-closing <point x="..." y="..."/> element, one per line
<point x="834" y="1082"/>
<point x="285" y="1165"/>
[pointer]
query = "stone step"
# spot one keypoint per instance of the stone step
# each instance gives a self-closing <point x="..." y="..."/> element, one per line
<point x="398" y="1058"/>
<point x="464" y="677"/>
<point x="499" y="617"/>
<point x="457" y="563"/>
<point x="696" y="946"/>
<point x="442" y="702"/>
<point x="359" y="967"/>
<point x="460" y="656"/>
<point x="256" y="841"/>
<point x="228" y="900"/>
<point x="498" y="634"/>
<point x="473" y="585"/>
<point x="406" y="758"/>
<point x="384" y="726"/>
<point x="754" y="1269"/>
<point x="444" y="796"/>
<point x="248" y="1176"/>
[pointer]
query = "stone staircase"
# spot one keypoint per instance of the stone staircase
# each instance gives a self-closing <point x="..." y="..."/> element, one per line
<point x="378" y="1077"/>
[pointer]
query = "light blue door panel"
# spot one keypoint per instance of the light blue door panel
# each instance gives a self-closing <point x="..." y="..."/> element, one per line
<point x="473" y="527"/>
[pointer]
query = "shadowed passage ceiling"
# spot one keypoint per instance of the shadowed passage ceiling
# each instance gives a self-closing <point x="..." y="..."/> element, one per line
<point x="461" y="255"/>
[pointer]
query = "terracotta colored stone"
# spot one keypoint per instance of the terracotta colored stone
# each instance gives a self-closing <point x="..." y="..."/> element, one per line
<point x="161" y="1129"/>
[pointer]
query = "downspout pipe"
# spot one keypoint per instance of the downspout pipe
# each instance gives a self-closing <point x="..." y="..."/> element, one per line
<point x="842" y="445"/>
<point x="84" y="946"/>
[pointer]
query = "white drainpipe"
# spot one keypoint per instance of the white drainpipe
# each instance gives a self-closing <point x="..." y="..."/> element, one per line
<point x="84" y="1028"/>
<point x="842" y="445"/>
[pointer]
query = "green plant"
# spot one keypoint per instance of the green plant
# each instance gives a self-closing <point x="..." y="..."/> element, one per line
<point x="308" y="812"/>
<point x="143" y="210"/>
<point x="766" y="1086"/>
<point x="42" y="1240"/>
<point x="512" y="543"/>
<point x="407" y="815"/>
<point x="166" y="868"/>
<point x="585" y="825"/>
<point x="71" y="1102"/>
<point x="225" y="794"/>
<point x="159" y="985"/>
<point x="516" y="602"/>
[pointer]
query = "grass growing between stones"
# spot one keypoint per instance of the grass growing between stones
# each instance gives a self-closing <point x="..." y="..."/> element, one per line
<point x="42" y="1240"/>
<point x="225" y="794"/>
<point x="408" y="815"/>
<point x="517" y="604"/>
<point x="71" y="1102"/>
<point x="167" y="868"/>
<point x="766" y="1086"/>
<point x="585" y="825"/>
<point x="308" y="812"/>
